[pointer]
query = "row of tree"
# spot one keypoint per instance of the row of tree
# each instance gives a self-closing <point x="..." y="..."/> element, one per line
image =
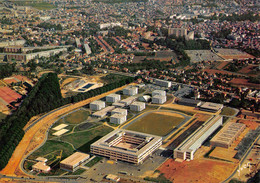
<point x="44" y="97"/>
<point x="7" y="70"/>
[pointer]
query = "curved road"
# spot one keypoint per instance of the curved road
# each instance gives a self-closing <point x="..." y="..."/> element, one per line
<point x="24" y="145"/>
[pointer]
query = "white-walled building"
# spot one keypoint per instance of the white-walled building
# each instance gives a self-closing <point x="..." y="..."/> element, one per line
<point x="41" y="167"/>
<point x="113" y="98"/>
<point x="188" y="147"/>
<point x="119" y="111"/>
<point x="118" y="118"/>
<point x="159" y="92"/>
<point x="97" y="105"/>
<point x="126" y="145"/>
<point x="158" y="99"/>
<point x="73" y="162"/>
<point x="131" y="90"/>
<point x="163" y="83"/>
<point x="137" y="106"/>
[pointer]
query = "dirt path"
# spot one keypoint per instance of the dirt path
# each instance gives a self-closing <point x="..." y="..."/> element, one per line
<point x="36" y="135"/>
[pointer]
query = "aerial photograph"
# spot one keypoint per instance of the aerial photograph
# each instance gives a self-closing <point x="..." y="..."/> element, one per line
<point x="130" y="91"/>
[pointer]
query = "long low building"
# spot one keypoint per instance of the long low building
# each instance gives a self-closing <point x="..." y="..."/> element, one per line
<point x="74" y="161"/>
<point x="227" y="135"/>
<point x="189" y="102"/>
<point x="163" y="83"/>
<point x="103" y="112"/>
<point x="126" y="145"/>
<point x="211" y="107"/>
<point x="187" y="148"/>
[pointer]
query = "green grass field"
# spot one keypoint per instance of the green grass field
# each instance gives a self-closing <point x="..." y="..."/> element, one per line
<point x="82" y="140"/>
<point x="228" y="111"/>
<point x="94" y="161"/>
<point x="77" y="117"/>
<point x="156" y="124"/>
<point x="51" y="147"/>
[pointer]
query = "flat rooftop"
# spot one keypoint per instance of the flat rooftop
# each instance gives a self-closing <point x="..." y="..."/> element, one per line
<point x="97" y="102"/>
<point x="211" y="106"/>
<point x="61" y="126"/>
<point x="142" y="142"/>
<point x="228" y="132"/>
<point x="60" y="132"/>
<point x="104" y="111"/>
<point x="138" y="103"/>
<point x="75" y="158"/>
<point x="188" y="144"/>
<point x="41" y="166"/>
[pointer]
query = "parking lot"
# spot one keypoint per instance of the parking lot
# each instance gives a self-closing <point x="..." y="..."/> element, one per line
<point x="106" y="166"/>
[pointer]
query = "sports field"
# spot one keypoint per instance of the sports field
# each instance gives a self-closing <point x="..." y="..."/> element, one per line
<point x="157" y="123"/>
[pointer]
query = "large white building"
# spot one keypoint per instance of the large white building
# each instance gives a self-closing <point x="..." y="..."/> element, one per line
<point x="187" y="148"/>
<point x="117" y="118"/>
<point x="159" y="92"/>
<point x="163" y="83"/>
<point x="126" y="145"/>
<point x="131" y="90"/>
<point x="137" y="106"/>
<point x="97" y="105"/>
<point x="227" y="135"/>
<point x="73" y="162"/>
<point x="158" y="99"/>
<point x="119" y="111"/>
<point x="113" y="98"/>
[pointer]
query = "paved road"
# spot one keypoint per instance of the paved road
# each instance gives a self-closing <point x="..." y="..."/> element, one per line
<point x="36" y="121"/>
<point x="45" y="179"/>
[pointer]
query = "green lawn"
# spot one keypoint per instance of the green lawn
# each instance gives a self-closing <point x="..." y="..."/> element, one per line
<point x="156" y="124"/>
<point x="94" y="161"/>
<point x="52" y="147"/>
<point x="77" y="172"/>
<point x="228" y="111"/>
<point x="82" y="140"/>
<point x="77" y="117"/>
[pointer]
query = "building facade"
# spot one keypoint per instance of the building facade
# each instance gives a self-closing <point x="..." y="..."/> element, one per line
<point x="158" y="99"/>
<point x="113" y="98"/>
<point x="163" y="83"/>
<point x="187" y="148"/>
<point x="73" y="162"/>
<point x="131" y="90"/>
<point x="118" y="118"/>
<point x="126" y="145"/>
<point x="137" y="106"/>
<point x="97" y="105"/>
